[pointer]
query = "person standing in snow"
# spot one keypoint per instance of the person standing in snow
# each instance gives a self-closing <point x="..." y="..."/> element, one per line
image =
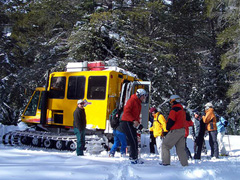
<point x="119" y="138"/>
<point x="79" y="125"/>
<point x="152" y="138"/>
<point x="210" y="120"/>
<point x="199" y="128"/>
<point x="221" y="127"/>
<point x="189" y="123"/>
<point x="176" y="132"/>
<point x="158" y="128"/>
<point x="130" y="122"/>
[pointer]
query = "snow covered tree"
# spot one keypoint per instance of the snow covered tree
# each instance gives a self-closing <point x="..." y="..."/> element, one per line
<point x="37" y="43"/>
<point x="174" y="45"/>
<point x="227" y="14"/>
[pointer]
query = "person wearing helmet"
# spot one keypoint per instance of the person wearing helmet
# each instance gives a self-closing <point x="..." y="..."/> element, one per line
<point x="175" y="137"/>
<point x="141" y="94"/>
<point x="130" y="122"/>
<point x="210" y="120"/>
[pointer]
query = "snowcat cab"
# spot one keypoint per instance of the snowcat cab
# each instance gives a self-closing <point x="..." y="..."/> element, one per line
<point x="100" y="87"/>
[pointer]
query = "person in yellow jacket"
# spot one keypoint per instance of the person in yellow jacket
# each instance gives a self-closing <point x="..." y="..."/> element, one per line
<point x="210" y="120"/>
<point x="158" y="128"/>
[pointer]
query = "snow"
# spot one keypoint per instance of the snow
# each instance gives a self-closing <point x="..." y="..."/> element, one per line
<point x="27" y="163"/>
<point x="113" y="35"/>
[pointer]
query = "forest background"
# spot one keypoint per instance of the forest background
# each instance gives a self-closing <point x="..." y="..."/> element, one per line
<point x="185" y="47"/>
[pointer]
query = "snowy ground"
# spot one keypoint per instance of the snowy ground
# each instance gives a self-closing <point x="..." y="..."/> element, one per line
<point x="28" y="163"/>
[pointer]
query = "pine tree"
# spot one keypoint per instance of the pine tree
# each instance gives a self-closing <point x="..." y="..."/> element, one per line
<point x="228" y="16"/>
<point x="38" y="42"/>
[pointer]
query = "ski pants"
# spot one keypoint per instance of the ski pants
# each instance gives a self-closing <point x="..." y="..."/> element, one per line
<point x="80" y="140"/>
<point x="159" y="146"/>
<point x="119" y="138"/>
<point x="213" y="143"/>
<point x="152" y="143"/>
<point x="131" y="134"/>
<point x="187" y="150"/>
<point x="198" y="145"/>
<point x="221" y="145"/>
<point x="174" y="138"/>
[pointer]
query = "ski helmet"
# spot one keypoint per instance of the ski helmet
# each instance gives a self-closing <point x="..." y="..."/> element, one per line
<point x="208" y="105"/>
<point x="174" y="98"/>
<point x="141" y="92"/>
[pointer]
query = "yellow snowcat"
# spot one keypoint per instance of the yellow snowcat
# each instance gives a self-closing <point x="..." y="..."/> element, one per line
<point x="49" y="113"/>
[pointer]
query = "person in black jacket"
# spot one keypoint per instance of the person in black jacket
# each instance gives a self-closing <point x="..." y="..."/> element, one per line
<point x="198" y="135"/>
<point x="79" y="125"/>
<point x="152" y="138"/>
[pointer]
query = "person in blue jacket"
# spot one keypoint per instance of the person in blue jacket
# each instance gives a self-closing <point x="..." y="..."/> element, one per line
<point x="221" y="127"/>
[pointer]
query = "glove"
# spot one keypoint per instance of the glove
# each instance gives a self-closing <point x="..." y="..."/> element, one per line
<point x="165" y="133"/>
<point x="225" y="124"/>
<point x="145" y="130"/>
<point x="206" y="133"/>
<point x="140" y="127"/>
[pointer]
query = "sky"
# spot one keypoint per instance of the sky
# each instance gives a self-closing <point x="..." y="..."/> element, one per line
<point x="30" y="163"/>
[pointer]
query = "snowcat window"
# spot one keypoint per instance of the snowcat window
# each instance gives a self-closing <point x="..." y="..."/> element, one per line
<point x="97" y="87"/>
<point x="57" y="89"/>
<point x="32" y="107"/>
<point x="76" y="87"/>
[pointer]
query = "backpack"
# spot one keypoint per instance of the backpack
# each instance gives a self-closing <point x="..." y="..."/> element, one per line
<point x="116" y="114"/>
<point x="114" y="118"/>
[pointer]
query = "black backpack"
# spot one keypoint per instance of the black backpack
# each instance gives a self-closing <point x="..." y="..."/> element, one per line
<point x="114" y="118"/>
<point x="116" y="114"/>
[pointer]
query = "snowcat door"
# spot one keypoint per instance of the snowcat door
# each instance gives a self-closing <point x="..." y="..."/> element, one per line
<point x="145" y="105"/>
<point x="32" y="112"/>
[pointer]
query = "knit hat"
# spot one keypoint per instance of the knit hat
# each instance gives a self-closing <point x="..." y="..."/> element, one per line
<point x="152" y="109"/>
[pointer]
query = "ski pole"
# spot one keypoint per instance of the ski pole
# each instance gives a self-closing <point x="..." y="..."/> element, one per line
<point x="229" y="143"/>
<point x="163" y="103"/>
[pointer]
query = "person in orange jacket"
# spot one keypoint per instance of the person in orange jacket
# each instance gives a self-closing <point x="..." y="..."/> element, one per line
<point x="159" y="126"/>
<point x="130" y="122"/>
<point x="210" y="120"/>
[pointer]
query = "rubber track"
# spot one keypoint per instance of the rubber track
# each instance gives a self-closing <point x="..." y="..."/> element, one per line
<point x="37" y="138"/>
<point x="52" y="140"/>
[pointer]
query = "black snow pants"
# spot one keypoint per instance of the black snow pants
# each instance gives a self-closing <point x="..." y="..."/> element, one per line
<point x="152" y="143"/>
<point x="131" y="133"/>
<point x="199" y="140"/>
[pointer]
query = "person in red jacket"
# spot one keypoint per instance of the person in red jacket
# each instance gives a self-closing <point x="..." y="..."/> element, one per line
<point x="176" y="131"/>
<point x="130" y="122"/>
